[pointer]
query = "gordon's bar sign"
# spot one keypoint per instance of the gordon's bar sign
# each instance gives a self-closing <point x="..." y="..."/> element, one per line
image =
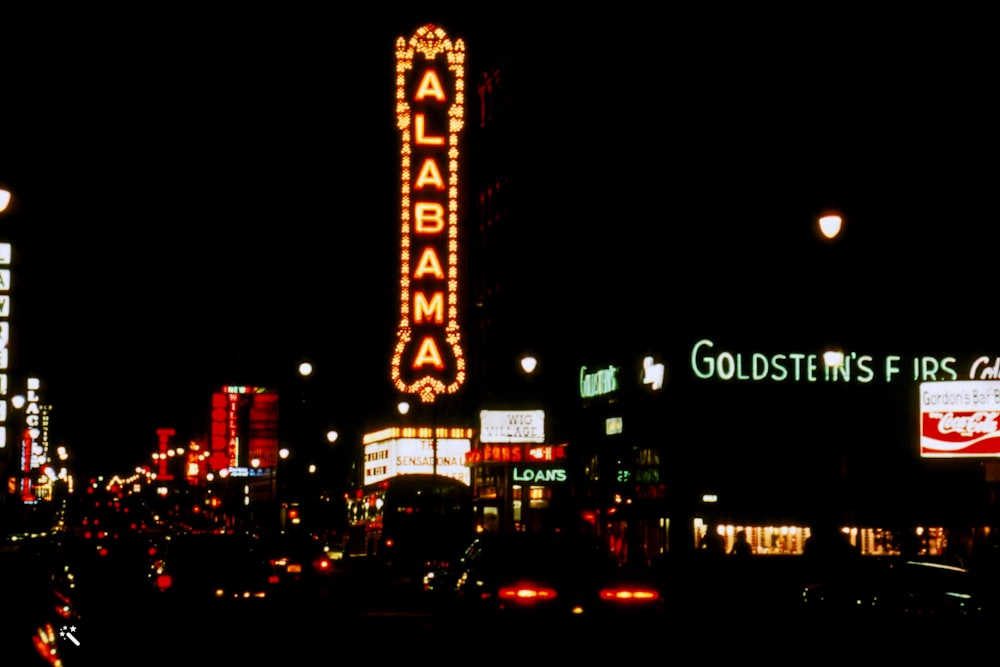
<point x="430" y="110"/>
<point x="960" y="419"/>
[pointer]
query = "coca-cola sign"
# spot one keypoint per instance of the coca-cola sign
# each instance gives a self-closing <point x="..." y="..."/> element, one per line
<point x="960" y="419"/>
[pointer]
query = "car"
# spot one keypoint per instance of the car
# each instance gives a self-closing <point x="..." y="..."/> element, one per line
<point x="301" y="563"/>
<point x="898" y="592"/>
<point x="551" y="574"/>
<point x="201" y="567"/>
<point x="37" y="582"/>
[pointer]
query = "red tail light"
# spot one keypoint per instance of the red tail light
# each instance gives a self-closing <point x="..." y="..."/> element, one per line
<point x="527" y="593"/>
<point x="164" y="581"/>
<point x="630" y="595"/>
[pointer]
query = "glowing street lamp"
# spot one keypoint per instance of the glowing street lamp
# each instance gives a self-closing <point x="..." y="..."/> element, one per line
<point x="831" y="225"/>
<point x="529" y="363"/>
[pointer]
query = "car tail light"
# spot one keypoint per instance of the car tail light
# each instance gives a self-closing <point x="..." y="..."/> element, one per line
<point x="64" y="607"/>
<point x="164" y="581"/>
<point x="630" y="594"/>
<point x="526" y="593"/>
<point x="322" y="564"/>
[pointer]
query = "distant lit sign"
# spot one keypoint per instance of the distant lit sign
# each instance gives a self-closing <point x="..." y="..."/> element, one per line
<point x="430" y="111"/>
<point x="599" y="382"/>
<point x="515" y="453"/>
<point x="511" y="426"/>
<point x="407" y="456"/>
<point x="244" y="427"/>
<point x="652" y="373"/>
<point x="536" y="475"/>
<point x="164" y="436"/>
<point x="843" y="367"/>
<point x="960" y="419"/>
<point x="5" y="254"/>
<point x="240" y="471"/>
<point x="612" y="426"/>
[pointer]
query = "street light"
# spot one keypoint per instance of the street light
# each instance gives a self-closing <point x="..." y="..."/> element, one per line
<point x="831" y="225"/>
<point x="529" y="363"/>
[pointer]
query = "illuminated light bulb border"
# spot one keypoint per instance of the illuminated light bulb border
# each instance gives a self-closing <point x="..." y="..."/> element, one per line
<point x="429" y="41"/>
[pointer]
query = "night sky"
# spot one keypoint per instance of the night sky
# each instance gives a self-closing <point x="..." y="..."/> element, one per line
<point x="205" y="202"/>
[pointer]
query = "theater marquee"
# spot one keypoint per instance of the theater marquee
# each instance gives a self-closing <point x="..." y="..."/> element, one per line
<point x="430" y="108"/>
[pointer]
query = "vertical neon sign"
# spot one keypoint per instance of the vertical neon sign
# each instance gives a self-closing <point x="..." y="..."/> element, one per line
<point x="430" y="110"/>
<point x="5" y="255"/>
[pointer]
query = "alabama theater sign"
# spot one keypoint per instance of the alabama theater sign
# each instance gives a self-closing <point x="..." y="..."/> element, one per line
<point x="430" y="108"/>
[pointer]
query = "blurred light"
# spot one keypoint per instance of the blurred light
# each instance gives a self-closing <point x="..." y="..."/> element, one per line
<point x="331" y="436"/>
<point x="833" y="358"/>
<point x="4" y="199"/>
<point x="305" y="369"/>
<point x="830" y="225"/>
<point x="403" y="407"/>
<point x="529" y="363"/>
<point x="652" y="373"/>
<point x="283" y="452"/>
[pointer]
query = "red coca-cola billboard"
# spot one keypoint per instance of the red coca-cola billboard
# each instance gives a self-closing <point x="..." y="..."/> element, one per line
<point x="960" y="419"/>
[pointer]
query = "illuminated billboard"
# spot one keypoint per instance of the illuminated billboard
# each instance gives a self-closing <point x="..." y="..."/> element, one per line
<point x="407" y="451"/>
<point x="512" y="426"/>
<point x="244" y="428"/>
<point x="430" y="108"/>
<point x="960" y="419"/>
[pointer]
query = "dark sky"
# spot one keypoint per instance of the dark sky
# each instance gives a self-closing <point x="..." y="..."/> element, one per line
<point x="209" y="201"/>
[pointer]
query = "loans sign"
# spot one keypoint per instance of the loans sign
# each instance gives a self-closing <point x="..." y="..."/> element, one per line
<point x="960" y="419"/>
<point x="430" y="110"/>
